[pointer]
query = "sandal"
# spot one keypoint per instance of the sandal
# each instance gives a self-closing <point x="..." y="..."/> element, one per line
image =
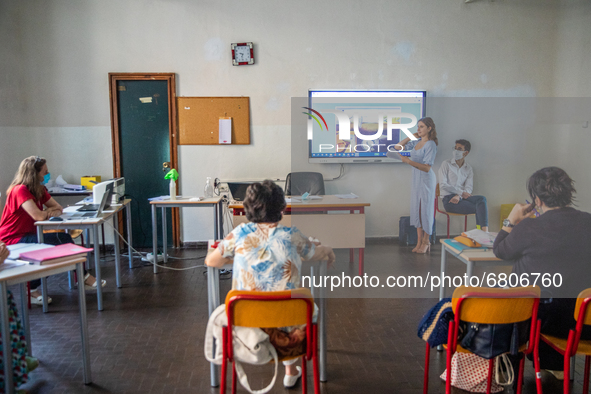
<point x="39" y="300"/>
<point x="93" y="286"/>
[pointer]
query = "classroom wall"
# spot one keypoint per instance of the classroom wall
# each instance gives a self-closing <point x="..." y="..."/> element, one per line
<point x="57" y="55"/>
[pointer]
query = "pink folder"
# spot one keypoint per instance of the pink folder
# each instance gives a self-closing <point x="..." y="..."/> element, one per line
<point x="63" y="250"/>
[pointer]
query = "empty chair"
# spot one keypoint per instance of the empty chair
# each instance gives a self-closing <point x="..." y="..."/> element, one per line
<point x="298" y="183"/>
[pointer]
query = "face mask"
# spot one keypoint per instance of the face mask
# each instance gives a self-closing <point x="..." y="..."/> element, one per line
<point x="46" y="179"/>
<point x="458" y="154"/>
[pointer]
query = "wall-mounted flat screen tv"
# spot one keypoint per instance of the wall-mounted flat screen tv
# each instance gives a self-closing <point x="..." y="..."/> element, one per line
<point x="360" y="126"/>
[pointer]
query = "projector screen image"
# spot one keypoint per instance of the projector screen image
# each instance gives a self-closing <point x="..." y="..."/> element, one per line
<point x="353" y="126"/>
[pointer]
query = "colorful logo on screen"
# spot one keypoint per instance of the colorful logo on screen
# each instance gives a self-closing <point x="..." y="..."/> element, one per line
<point x="315" y="118"/>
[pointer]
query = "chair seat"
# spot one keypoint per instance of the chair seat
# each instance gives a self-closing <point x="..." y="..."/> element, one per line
<point x="560" y="343"/>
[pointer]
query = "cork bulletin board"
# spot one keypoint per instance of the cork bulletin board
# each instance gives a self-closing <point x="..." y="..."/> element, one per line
<point x="198" y="119"/>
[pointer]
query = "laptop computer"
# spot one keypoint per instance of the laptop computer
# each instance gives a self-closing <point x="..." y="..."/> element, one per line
<point x="238" y="190"/>
<point x="95" y="207"/>
<point x="89" y="215"/>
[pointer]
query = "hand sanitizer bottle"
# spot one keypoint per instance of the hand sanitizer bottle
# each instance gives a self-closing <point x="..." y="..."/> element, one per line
<point x="208" y="188"/>
<point x="172" y="189"/>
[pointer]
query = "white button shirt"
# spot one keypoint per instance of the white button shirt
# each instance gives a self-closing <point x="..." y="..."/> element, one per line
<point x="455" y="180"/>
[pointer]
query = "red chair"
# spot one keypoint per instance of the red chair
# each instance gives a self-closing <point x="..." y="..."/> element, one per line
<point x="489" y="306"/>
<point x="268" y="309"/>
<point x="571" y="346"/>
<point x="448" y="214"/>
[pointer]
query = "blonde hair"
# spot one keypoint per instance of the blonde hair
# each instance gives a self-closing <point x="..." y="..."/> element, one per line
<point x="27" y="175"/>
<point x="427" y="121"/>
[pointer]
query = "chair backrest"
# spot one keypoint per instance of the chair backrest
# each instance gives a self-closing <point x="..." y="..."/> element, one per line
<point x="495" y="305"/>
<point x="268" y="309"/>
<point x="583" y="300"/>
<point x="298" y="183"/>
<point x="437" y="192"/>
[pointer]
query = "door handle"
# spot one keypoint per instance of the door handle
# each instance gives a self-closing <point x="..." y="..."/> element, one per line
<point x="166" y="166"/>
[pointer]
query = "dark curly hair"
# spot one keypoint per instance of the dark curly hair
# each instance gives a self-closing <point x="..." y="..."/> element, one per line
<point x="553" y="186"/>
<point x="264" y="202"/>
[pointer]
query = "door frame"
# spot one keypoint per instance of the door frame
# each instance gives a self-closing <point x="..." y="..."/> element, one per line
<point x="170" y="78"/>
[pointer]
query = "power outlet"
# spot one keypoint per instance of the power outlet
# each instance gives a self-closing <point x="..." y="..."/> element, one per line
<point x="223" y="189"/>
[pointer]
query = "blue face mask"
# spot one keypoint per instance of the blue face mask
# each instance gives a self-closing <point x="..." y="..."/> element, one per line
<point x="46" y="179"/>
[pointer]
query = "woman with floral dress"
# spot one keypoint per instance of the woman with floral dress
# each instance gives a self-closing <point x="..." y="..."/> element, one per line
<point x="267" y="256"/>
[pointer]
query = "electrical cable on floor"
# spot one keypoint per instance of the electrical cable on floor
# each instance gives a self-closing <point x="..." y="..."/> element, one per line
<point x="155" y="257"/>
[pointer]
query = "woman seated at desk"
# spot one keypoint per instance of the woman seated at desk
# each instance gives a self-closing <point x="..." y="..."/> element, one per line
<point x="555" y="243"/>
<point x="25" y="199"/>
<point x="267" y="256"/>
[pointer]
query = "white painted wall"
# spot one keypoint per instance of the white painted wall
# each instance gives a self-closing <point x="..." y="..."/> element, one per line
<point x="57" y="54"/>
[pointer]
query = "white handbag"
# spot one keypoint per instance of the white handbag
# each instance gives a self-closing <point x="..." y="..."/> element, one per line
<point x="250" y="345"/>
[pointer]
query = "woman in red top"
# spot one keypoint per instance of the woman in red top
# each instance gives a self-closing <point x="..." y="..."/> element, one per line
<point x="28" y="201"/>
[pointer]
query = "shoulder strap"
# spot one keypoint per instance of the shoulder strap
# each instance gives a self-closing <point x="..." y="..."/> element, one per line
<point x="244" y="379"/>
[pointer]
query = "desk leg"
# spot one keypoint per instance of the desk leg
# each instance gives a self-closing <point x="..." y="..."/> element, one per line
<point x="117" y="251"/>
<point x="154" y="237"/>
<point x="44" y="293"/>
<point x="322" y="325"/>
<point x="469" y="269"/>
<point x="361" y="261"/>
<point x="84" y="326"/>
<point x="164" y="238"/>
<point x="6" y="344"/>
<point x="87" y="244"/>
<point x="211" y="298"/>
<point x="25" y="318"/>
<point x="221" y="219"/>
<point x="216" y="233"/>
<point x="129" y="237"/>
<point x="97" y="268"/>
<point x="43" y="280"/>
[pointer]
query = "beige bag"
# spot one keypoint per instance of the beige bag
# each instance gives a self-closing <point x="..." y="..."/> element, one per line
<point x="250" y="345"/>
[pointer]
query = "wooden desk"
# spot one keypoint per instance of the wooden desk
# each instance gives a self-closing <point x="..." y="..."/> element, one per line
<point x="342" y="228"/>
<point x="467" y="257"/>
<point x="93" y="224"/>
<point x="183" y="202"/>
<point x="21" y="275"/>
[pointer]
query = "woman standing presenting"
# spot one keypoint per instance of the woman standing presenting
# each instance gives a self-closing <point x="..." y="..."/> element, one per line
<point x="422" y="192"/>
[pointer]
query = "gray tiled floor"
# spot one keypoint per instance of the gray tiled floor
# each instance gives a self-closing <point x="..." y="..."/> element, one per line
<point x="149" y="338"/>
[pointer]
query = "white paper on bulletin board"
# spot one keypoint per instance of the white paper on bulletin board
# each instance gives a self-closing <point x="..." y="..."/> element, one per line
<point x="225" y="131"/>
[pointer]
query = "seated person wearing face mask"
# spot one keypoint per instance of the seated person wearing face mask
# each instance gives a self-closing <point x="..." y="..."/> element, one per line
<point x="455" y="185"/>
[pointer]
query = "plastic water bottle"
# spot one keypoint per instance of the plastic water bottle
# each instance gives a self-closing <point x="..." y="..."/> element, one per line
<point x="172" y="189"/>
<point x="208" y="188"/>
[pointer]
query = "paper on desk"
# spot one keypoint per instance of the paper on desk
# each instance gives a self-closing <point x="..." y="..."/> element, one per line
<point x="482" y="237"/>
<point x="350" y="195"/>
<point x="225" y="131"/>
<point x="60" y="181"/>
<point x="8" y="264"/>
